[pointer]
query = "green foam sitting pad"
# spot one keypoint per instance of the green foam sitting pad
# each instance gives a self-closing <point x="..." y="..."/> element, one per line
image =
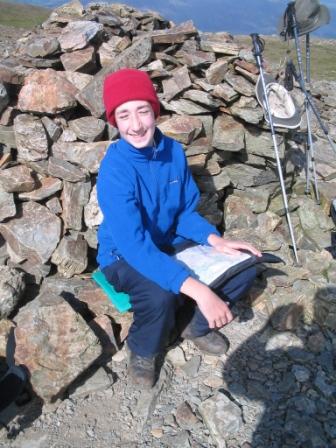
<point x="120" y="300"/>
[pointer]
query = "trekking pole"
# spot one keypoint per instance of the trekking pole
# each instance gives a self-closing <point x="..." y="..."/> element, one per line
<point x="299" y="77"/>
<point x="258" y="47"/>
<point x="310" y="159"/>
<point x="310" y="145"/>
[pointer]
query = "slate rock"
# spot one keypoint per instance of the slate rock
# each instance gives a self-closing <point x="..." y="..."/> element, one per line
<point x="184" y="107"/>
<point x="185" y="416"/>
<point x="246" y="109"/>
<point x="78" y="80"/>
<point x="213" y="183"/>
<point x="12" y="286"/>
<point x="99" y="381"/>
<point x="222" y="417"/>
<point x="301" y="373"/>
<point x="92" y="213"/>
<point x="225" y="92"/>
<point x="6" y="327"/>
<point x="47" y="91"/>
<point x="10" y="73"/>
<point x="77" y="35"/>
<point x="176" y="34"/>
<point x="228" y="134"/>
<point x="54" y="205"/>
<point x="216" y="72"/>
<point x="4" y="98"/>
<point x="324" y="307"/>
<point x="219" y="43"/>
<point x="194" y="58"/>
<point x="54" y="343"/>
<point x="65" y="170"/>
<point x="240" y="84"/>
<point x="256" y="198"/>
<point x="237" y="214"/>
<point x="7" y="116"/>
<point x="17" y="179"/>
<point x="34" y="234"/>
<point x="88" y="129"/>
<point x="243" y="176"/>
<point x="40" y="46"/>
<point x="31" y="138"/>
<point x="85" y="155"/>
<point x="177" y="83"/>
<point x="183" y="128"/>
<point x="80" y="61"/>
<point x="74" y="197"/>
<point x="71" y="256"/>
<point x="201" y="145"/>
<point x="7" y="205"/>
<point x="47" y="187"/>
<point x="53" y="130"/>
<point x="260" y="143"/>
<point x="203" y="98"/>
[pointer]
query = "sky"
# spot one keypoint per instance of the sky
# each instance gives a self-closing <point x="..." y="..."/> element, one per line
<point x="234" y="16"/>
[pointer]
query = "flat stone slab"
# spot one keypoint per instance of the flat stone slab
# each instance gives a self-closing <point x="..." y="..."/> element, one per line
<point x="228" y="134"/>
<point x="17" y="179"/>
<point x="184" y="128"/>
<point x="80" y="60"/>
<point x="34" y="234"/>
<point x="89" y="129"/>
<point x="47" y="91"/>
<point x="48" y="186"/>
<point x="77" y="35"/>
<point x="86" y="155"/>
<point x="65" y="170"/>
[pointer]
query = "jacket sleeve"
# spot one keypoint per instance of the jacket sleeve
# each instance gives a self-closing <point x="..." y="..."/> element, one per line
<point x="190" y="224"/>
<point x="122" y="216"/>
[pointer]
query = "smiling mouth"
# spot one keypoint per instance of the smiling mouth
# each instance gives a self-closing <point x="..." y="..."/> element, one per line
<point x="139" y="135"/>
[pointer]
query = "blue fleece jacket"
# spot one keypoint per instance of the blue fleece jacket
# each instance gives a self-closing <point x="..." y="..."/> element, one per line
<point x="148" y="199"/>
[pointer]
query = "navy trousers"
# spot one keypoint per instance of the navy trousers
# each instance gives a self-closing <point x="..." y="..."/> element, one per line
<point x="155" y="308"/>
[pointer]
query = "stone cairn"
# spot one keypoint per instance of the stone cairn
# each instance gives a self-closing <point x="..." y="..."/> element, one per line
<point x="53" y="136"/>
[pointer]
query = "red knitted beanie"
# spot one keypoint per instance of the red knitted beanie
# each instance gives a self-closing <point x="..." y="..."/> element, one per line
<point x="128" y="84"/>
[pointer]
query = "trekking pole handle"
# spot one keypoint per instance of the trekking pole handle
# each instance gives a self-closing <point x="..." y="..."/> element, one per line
<point x="291" y="14"/>
<point x="257" y="44"/>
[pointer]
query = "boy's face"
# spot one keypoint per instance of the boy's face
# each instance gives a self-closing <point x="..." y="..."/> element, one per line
<point x="136" y="123"/>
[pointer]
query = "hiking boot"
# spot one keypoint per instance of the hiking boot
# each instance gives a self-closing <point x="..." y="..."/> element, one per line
<point x="141" y="370"/>
<point x="212" y="343"/>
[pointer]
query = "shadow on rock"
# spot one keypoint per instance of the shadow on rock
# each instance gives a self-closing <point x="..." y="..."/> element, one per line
<point x="19" y="405"/>
<point x="282" y="377"/>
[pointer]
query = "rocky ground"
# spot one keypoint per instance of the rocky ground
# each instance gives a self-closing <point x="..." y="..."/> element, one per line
<point x="272" y="389"/>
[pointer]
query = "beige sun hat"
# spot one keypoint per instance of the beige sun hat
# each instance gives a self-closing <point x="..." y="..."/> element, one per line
<point x="284" y="111"/>
<point x="310" y="16"/>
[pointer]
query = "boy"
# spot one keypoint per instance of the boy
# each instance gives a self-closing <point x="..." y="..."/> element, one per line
<point x="148" y="199"/>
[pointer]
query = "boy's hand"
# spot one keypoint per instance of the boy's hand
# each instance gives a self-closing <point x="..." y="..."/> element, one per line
<point x="216" y="312"/>
<point x="231" y="247"/>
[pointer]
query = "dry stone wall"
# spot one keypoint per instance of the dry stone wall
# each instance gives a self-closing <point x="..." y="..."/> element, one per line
<point x="53" y="135"/>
